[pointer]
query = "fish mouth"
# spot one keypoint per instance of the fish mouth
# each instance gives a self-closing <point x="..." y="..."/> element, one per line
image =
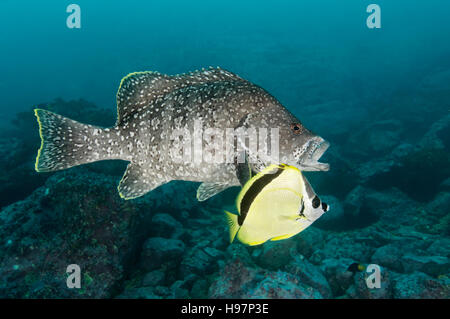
<point x="309" y="160"/>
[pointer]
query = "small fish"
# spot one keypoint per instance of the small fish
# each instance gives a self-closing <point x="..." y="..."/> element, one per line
<point x="275" y="204"/>
<point x="151" y="106"/>
<point x="356" y="267"/>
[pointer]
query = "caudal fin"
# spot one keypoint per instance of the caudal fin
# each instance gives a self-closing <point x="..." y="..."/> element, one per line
<point x="66" y="143"/>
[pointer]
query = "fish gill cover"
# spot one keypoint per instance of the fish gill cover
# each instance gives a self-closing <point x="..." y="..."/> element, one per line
<point x="378" y="93"/>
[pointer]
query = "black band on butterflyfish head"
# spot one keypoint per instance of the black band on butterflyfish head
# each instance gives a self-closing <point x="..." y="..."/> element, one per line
<point x="253" y="191"/>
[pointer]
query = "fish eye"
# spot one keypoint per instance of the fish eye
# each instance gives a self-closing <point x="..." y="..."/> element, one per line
<point x="296" y="128"/>
<point x="315" y="202"/>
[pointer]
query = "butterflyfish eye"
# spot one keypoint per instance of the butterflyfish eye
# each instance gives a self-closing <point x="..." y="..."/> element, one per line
<point x="315" y="202"/>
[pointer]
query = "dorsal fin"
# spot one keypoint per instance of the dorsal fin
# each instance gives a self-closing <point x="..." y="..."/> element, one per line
<point x="140" y="90"/>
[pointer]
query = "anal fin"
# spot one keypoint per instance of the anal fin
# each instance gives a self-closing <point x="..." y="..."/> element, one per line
<point x="207" y="190"/>
<point x="137" y="181"/>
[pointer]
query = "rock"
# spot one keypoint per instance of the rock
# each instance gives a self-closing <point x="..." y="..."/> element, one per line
<point x="358" y="213"/>
<point x="418" y="285"/>
<point x="411" y="173"/>
<point x="164" y="225"/>
<point x="360" y="289"/>
<point x="162" y="291"/>
<point x="274" y="255"/>
<point x="73" y="218"/>
<point x="378" y="138"/>
<point x="310" y="240"/>
<point x="310" y="275"/>
<point x="336" y="274"/>
<point x="237" y="279"/>
<point x="239" y="251"/>
<point x="153" y="278"/>
<point x="440" y="247"/>
<point x="234" y="280"/>
<point x="439" y="206"/>
<point x="431" y="265"/>
<point x="380" y="166"/>
<point x="437" y="136"/>
<point x="343" y="245"/>
<point x="157" y="251"/>
<point x="374" y="236"/>
<point x="200" y="260"/>
<point x="138" y="293"/>
<point x="282" y="285"/>
<point x="180" y="288"/>
<point x="389" y="256"/>
<point x="199" y="289"/>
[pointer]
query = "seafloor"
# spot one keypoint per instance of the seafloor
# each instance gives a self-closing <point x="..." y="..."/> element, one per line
<point x="389" y="189"/>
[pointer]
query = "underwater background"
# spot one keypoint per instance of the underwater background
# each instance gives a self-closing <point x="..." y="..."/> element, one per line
<point x="381" y="97"/>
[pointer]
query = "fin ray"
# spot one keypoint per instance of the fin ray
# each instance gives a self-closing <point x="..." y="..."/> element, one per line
<point x="209" y="189"/>
<point x="140" y="90"/>
<point x="232" y="220"/>
<point x="66" y="143"/>
<point x="137" y="181"/>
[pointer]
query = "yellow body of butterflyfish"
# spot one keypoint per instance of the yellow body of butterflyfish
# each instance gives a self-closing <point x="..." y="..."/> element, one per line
<point x="269" y="204"/>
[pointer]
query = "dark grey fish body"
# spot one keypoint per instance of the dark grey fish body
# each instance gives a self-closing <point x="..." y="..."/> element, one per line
<point x="151" y="107"/>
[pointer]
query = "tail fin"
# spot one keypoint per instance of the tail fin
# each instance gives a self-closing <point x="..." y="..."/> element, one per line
<point x="66" y="143"/>
<point x="233" y="223"/>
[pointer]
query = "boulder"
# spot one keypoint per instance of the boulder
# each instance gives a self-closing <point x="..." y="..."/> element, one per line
<point x="418" y="285"/>
<point x="74" y="218"/>
<point x="200" y="260"/>
<point x="389" y="256"/>
<point x="431" y="265"/>
<point x="235" y="279"/>
<point x="360" y="289"/>
<point x="157" y="251"/>
<point x="164" y="225"/>
<point x="310" y="240"/>
<point x="309" y="275"/>
<point x="336" y="274"/>
<point x="274" y="255"/>
<point x="138" y="293"/>
<point x="282" y="285"/>
<point x="153" y="278"/>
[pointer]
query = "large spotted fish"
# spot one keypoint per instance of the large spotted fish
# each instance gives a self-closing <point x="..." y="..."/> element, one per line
<point x="151" y="106"/>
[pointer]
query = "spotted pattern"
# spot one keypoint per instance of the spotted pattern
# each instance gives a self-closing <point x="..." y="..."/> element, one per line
<point x="150" y="107"/>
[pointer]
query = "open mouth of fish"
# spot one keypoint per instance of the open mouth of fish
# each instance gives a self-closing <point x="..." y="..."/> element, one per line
<point x="309" y="161"/>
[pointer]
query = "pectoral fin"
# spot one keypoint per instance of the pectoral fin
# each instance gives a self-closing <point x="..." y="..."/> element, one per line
<point x="137" y="181"/>
<point x="207" y="190"/>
